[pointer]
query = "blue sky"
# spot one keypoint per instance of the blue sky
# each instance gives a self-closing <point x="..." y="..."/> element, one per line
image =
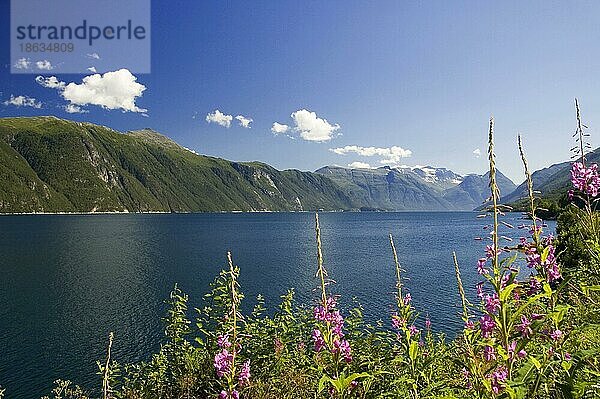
<point x="421" y="76"/>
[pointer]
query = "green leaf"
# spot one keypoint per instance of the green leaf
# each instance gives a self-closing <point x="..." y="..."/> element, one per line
<point x="506" y="291"/>
<point x="536" y="362"/>
<point x="566" y="365"/>
<point x="324" y="379"/>
<point x="413" y="351"/>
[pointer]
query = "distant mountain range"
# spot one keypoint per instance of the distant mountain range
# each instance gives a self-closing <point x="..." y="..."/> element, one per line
<point x="54" y="165"/>
<point x="420" y="188"/>
<point x="552" y="182"/>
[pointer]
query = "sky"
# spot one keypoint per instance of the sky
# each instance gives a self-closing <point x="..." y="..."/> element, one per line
<point x="347" y="82"/>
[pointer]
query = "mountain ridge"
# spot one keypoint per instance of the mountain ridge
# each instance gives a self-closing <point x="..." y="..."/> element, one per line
<point x="49" y="164"/>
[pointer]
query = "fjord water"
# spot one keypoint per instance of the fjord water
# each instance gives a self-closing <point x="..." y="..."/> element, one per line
<point x="67" y="280"/>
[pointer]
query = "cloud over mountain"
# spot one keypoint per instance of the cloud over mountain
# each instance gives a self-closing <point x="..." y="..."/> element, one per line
<point x="313" y="128"/>
<point x="23" y="101"/>
<point x="112" y="90"/>
<point x="389" y="155"/>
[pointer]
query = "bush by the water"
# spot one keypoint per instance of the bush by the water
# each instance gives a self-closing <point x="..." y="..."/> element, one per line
<point x="534" y="331"/>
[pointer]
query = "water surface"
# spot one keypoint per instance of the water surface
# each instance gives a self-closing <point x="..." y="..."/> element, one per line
<point x="67" y="280"/>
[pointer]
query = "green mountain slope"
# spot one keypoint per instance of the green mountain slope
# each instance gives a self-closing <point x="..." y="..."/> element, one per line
<point x="51" y="165"/>
<point x="552" y="182"/>
<point x="54" y="165"/>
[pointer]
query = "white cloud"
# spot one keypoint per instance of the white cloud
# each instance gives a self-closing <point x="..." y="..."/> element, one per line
<point x="244" y="122"/>
<point x="74" y="109"/>
<point x="51" y="82"/>
<point x="477" y="152"/>
<point x="23" y="101"/>
<point x="219" y="118"/>
<point x="92" y="69"/>
<point x="94" y="56"/>
<point x="313" y="128"/>
<point x="22" y="63"/>
<point x="389" y="155"/>
<point x="359" y="165"/>
<point x="279" y="128"/>
<point x="112" y="90"/>
<point x="44" y="65"/>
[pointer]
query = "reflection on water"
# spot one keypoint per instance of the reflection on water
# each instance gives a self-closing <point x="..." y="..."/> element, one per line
<point x="69" y="280"/>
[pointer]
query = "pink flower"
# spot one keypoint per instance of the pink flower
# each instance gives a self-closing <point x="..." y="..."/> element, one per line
<point x="525" y="327"/>
<point x="481" y="266"/>
<point x="343" y="347"/>
<point x="427" y="323"/>
<point x="534" y="286"/>
<point x="397" y="322"/>
<point x="487" y="325"/>
<point x="277" y="345"/>
<point x="320" y="313"/>
<point x="511" y="349"/>
<point x="489" y="251"/>
<point x="492" y="303"/>
<point x="244" y="376"/>
<point x="480" y="289"/>
<point x="532" y="257"/>
<point x="222" y="363"/>
<point x="489" y="353"/>
<point x="585" y="179"/>
<point x="504" y="280"/>
<point x="556" y="335"/>
<point x="223" y="341"/>
<point x="522" y="353"/>
<point x="568" y="356"/>
<point x="497" y="379"/>
<point x="413" y="330"/>
<point x="407" y="299"/>
<point x="318" y="339"/>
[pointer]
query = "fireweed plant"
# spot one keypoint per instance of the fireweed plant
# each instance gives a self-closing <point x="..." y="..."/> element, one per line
<point x="585" y="192"/>
<point x="333" y="351"/>
<point x="233" y="373"/>
<point x="416" y="348"/>
<point x="516" y="337"/>
<point x="532" y="329"/>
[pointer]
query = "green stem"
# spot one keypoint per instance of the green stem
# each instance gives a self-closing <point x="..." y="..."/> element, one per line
<point x="234" y="316"/>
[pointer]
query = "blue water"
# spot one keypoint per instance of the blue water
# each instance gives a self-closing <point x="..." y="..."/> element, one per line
<point x="67" y="280"/>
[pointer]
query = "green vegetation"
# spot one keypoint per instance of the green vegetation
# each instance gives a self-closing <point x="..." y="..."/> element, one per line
<point x="52" y="165"/>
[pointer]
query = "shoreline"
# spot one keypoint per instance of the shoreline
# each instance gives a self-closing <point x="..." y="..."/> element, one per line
<point x="225" y="212"/>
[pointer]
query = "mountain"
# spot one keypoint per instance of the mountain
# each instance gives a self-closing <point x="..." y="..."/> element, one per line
<point x="552" y="182"/>
<point x="54" y="165"/>
<point x="474" y="190"/>
<point x="388" y="189"/>
<point x="440" y="177"/>
<point x="419" y="188"/>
